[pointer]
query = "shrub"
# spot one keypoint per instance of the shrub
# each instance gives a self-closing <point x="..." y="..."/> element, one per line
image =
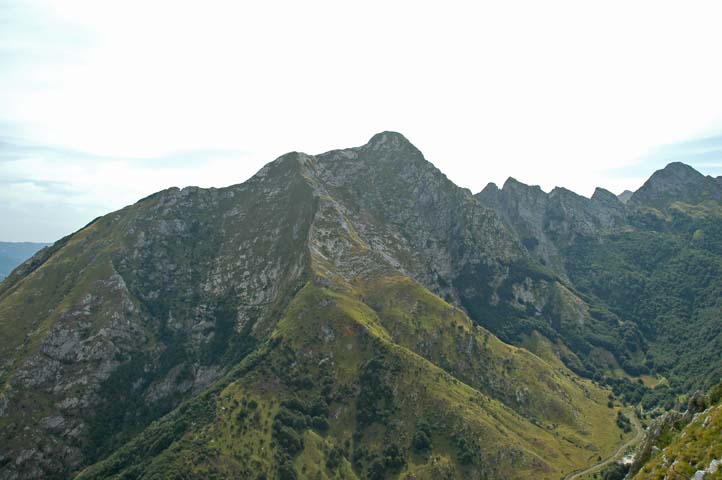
<point x="286" y="471"/>
<point x="288" y="439"/>
<point x="334" y="458"/>
<point x="319" y="423"/>
<point x="465" y="451"/>
<point x="616" y="471"/>
<point x="421" y="441"/>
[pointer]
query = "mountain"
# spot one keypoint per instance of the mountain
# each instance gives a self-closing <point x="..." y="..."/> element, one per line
<point x="355" y="314"/>
<point x="625" y="196"/>
<point x="13" y="254"/>
<point x="650" y="270"/>
<point x="677" y="182"/>
<point x="548" y="225"/>
<point x="651" y="261"/>
<point x="321" y="320"/>
<point x="367" y="399"/>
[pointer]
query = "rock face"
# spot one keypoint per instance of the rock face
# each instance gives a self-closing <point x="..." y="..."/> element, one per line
<point x="331" y="259"/>
<point x="116" y="324"/>
<point x="547" y="223"/>
<point x="628" y="257"/>
<point x="677" y="182"/>
<point x="625" y="196"/>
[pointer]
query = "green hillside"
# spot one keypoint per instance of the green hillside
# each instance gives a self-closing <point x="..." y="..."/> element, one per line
<point x="650" y="271"/>
<point x="347" y="388"/>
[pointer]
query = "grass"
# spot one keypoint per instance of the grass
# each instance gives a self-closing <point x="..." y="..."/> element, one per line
<point x="421" y="342"/>
<point x="649" y="381"/>
<point x="688" y="451"/>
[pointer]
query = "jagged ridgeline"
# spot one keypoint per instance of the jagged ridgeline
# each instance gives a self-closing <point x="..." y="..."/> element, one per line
<point x="648" y="267"/>
<point x="338" y="316"/>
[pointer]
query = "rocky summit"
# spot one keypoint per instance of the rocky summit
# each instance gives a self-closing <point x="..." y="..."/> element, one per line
<point x="355" y="314"/>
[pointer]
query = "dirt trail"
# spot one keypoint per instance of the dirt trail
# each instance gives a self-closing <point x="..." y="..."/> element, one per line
<point x="615" y="456"/>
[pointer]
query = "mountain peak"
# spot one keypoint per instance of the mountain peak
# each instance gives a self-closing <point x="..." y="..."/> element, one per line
<point x="489" y="194"/>
<point x="388" y="140"/>
<point x="680" y="169"/>
<point x="677" y="181"/>
<point x="676" y="172"/>
<point x="512" y="184"/>
<point x="625" y="196"/>
<point x="563" y="191"/>
<point x="605" y="196"/>
<point x="491" y="187"/>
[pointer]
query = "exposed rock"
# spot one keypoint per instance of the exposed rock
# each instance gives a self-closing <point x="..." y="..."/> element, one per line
<point x="677" y="182"/>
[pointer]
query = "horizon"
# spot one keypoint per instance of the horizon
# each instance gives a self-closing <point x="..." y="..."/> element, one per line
<point x="500" y="185"/>
<point x="96" y="118"/>
<point x="473" y="192"/>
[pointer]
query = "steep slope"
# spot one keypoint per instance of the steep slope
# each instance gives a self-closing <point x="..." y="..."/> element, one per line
<point x="685" y="446"/>
<point x="144" y="308"/>
<point x="548" y="225"/>
<point x="549" y="222"/>
<point x="663" y="272"/>
<point x="335" y="393"/>
<point x="417" y="221"/>
<point x="677" y="182"/>
<point x="650" y="269"/>
<point x="116" y="324"/>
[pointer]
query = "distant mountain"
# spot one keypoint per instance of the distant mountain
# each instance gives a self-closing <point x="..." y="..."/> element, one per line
<point x="650" y="271"/>
<point x="355" y="314"/>
<point x="13" y="254"/>
<point x="625" y="196"/>
<point x="678" y="182"/>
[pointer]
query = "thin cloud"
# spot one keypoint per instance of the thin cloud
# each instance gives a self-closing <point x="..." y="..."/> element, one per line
<point x="704" y="154"/>
<point x="104" y="103"/>
<point x="47" y="192"/>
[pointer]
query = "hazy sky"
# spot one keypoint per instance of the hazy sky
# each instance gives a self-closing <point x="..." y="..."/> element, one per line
<point x="102" y="103"/>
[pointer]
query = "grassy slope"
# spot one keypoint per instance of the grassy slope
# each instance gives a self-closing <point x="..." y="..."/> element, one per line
<point x="139" y="243"/>
<point x="690" y="450"/>
<point x="29" y="305"/>
<point x="32" y="302"/>
<point x="502" y="410"/>
<point x="364" y="353"/>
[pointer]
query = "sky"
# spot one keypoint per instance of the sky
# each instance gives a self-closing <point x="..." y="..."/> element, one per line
<point x="103" y="103"/>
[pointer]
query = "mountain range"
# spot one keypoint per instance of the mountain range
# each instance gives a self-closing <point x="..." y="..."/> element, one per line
<point x="13" y="254"/>
<point x="355" y="314"/>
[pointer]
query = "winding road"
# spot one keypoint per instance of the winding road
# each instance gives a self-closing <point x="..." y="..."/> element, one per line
<point x="576" y="475"/>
